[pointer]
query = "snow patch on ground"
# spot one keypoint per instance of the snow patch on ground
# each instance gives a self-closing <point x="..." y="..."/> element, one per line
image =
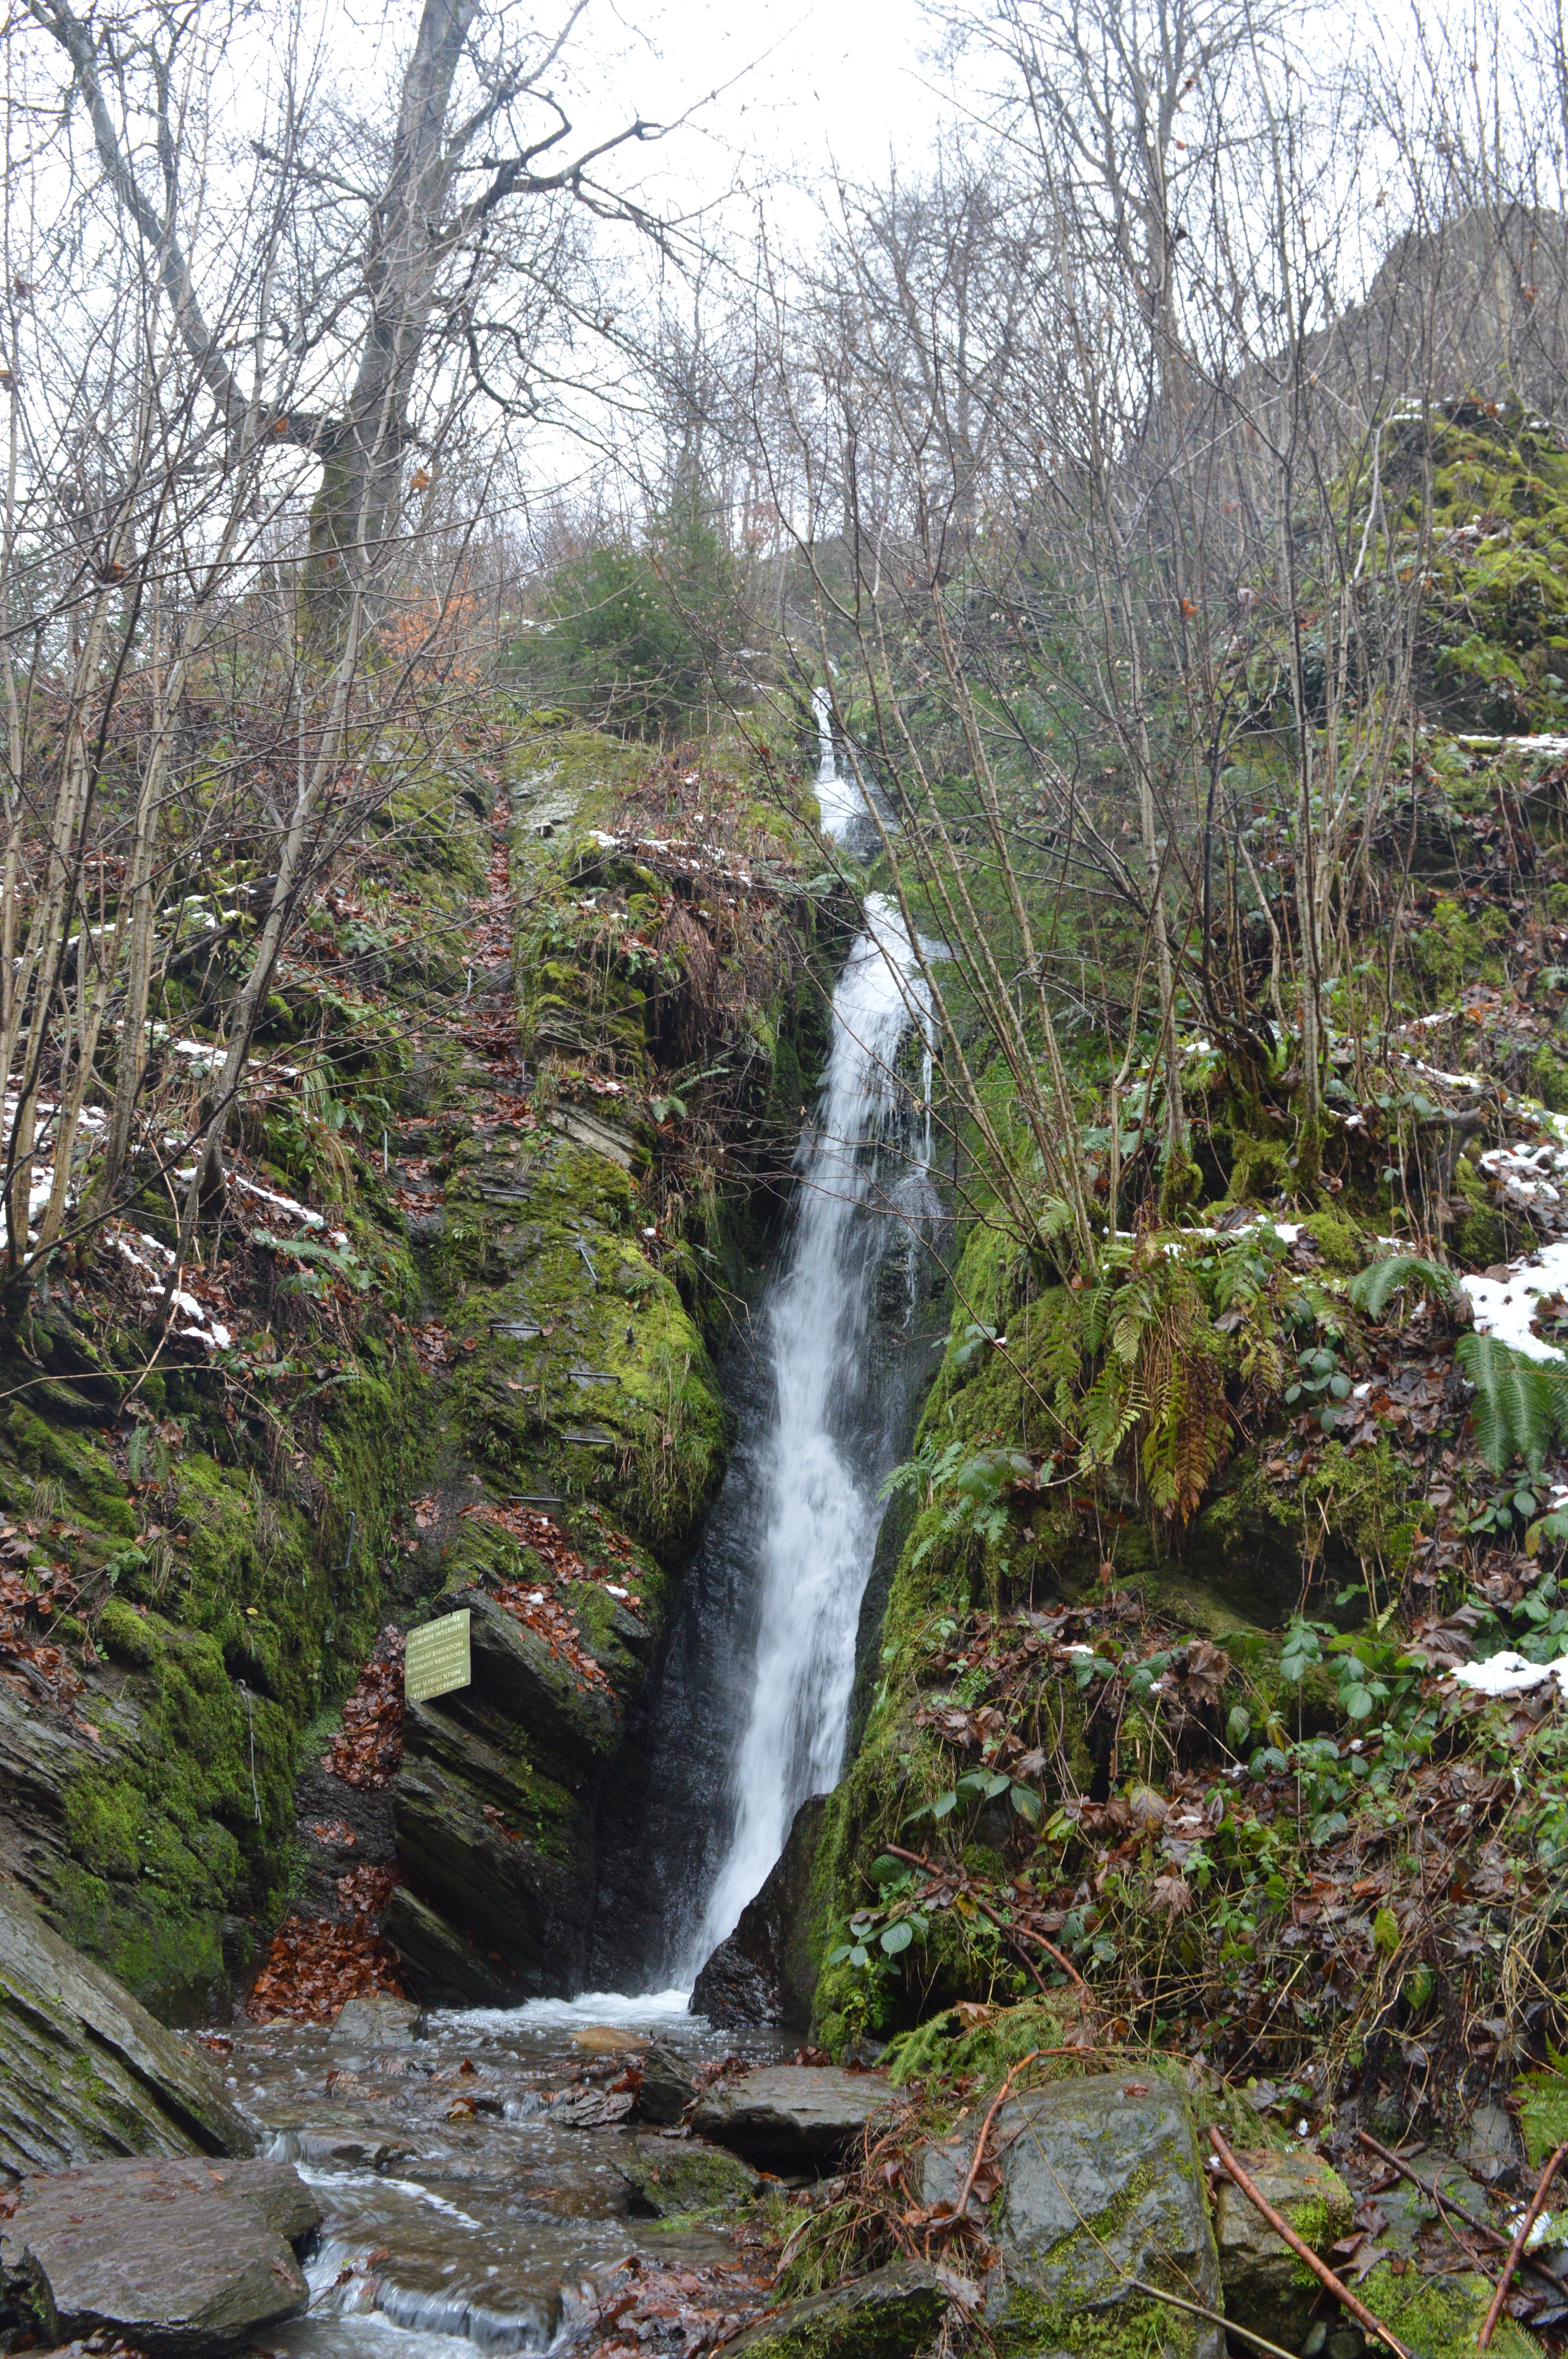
<point x="1504" y="1307"/>
<point x="1508" y="1674"/>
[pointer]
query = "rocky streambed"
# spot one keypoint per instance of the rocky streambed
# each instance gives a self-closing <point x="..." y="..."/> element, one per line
<point x="478" y="2183"/>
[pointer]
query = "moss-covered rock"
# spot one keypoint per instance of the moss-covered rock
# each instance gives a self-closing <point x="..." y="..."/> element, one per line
<point x="671" y="2178"/>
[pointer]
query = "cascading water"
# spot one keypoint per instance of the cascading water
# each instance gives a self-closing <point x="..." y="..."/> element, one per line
<point x="839" y="799"/>
<point x="753" y="1706"/>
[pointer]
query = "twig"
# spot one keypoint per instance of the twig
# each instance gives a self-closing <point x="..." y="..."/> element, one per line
<point x="1303" y="2252"/>
<point x="1437" y="2194"/>
<point x="1217" y="2317"/>
<point x="1533" y="2212"/>
<point x="1014" y="1932"/>
<point x="997" y="2102"/>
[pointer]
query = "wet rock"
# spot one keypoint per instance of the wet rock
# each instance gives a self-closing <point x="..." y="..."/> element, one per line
<point x="1406" y="2209"/>
<point x="85" y="2071"/>
<point x="668" y="2177"/>
<point x="765" y="1971"/>
<point x="890" y="2315"/>
<point x="1440" y="2317"/>
<point x="180" y="2259"/>
<point x="378" y="2021"/>
<point x="1265" y="2284"/>
<point x="1490" y="2148"/>
<point x="667" y="2085"/>
<point x="1102" y="2182"/>
<point x="593" y="2109"/>
<point x="792" y="2117"/>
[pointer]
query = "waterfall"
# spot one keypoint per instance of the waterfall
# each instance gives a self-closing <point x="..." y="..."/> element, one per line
<point x="828" y="1449"/>
<point x="753" y="1706"/>
<point x="839" y="799"/>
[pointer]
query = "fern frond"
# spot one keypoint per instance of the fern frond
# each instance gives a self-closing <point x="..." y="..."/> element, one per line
<point x="1521" y="1404"/>
<point x="1371" y="1289"/>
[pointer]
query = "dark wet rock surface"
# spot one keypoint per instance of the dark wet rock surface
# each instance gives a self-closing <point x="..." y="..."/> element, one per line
<point x="765" y="1972"/>
<point x="792" y="2117"/>
<point x="181" y="2259"/>
<point x="85" y="2072"/>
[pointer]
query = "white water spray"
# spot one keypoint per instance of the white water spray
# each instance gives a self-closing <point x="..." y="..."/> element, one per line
<point x="839" y="799"/>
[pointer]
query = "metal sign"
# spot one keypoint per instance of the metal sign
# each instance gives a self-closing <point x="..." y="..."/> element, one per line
<point x="436" y="1657"/>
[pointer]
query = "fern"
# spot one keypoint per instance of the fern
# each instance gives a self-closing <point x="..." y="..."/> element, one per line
<point x="1519" y="1406"/>
<point x="1371" y="1289"/>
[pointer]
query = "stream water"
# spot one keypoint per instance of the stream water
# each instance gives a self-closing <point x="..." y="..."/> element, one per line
<point x="463" y="2208"/>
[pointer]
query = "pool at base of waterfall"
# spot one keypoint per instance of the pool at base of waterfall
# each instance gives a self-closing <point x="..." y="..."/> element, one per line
<point x="464" y="2207"/>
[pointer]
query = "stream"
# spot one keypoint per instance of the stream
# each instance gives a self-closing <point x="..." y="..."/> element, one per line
<point x="462" y="2210"/>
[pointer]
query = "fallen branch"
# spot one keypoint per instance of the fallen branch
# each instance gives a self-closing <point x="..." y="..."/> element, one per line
<point x="997" y="2102"/>
<point x="1446" y="2204"/>
<point x="1014" y="1932"/>
<point x="1533" y="2213"/>
<point x="1303" y="2252"/>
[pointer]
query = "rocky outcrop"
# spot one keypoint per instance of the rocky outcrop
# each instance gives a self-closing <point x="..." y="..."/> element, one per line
<point x="890" y="2315"/>
<point x="1101" y="2184"/>
<point x="180" y="2259"/>
<point x="792" y="2117"/>
<point x="85" y="2071"/>
<point x="667" y="2087"/>
<point x="668" y="2177"/>
<point x="765" y="1971"/>
<point x="1265" y="2284"/>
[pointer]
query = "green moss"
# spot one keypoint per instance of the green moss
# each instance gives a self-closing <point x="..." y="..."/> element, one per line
<point x="1440" y="2317"/>
<point x="1343" y="1246"/>
<point x="122" y="1632"/>
<point x="687" y="2183"/>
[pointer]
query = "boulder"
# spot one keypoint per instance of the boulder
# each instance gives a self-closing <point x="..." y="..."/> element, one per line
<point x="179" y="2259"/>
<point x="792" y="2117"/>
<point x="890" y="2315"/>
<point x="1265" y="2284"/>
<point x="379" y="2021"/>
<point x="1101" y="2181"/>
<point x="670" y="2176"/>
<point x="667" y="2087"/>
<point x="85" y="2072"/>
<point x="1406" y="2209"/>
<point x="1490" y="2146"/>
<point x="765" y="1971"/>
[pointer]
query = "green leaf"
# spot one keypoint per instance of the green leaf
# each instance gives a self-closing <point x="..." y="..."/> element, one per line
<point x="836" y="1957"/>
<point x="897" y="1937"/>
<point x="859" y="1955"/>
<point x="885" y="1871"/>
<point x="1385" y="1932"/>
<point x="1372" y="1290"/>
<point x="996" y="1784"/>
<point x="1520" y="1405"/>
<point x="1026" y="1802"/>
<point x="1239" y="1727"/>
<point x="942" y="1805"/>
<point x="1417" y="1987"/>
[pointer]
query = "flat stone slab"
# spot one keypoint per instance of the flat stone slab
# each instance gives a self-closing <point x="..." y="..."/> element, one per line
<point x="792" y="2117"/>
<point x="183" y="2259"/>
<point x="892" y="2314"/>
<point x="85" y="2072"/>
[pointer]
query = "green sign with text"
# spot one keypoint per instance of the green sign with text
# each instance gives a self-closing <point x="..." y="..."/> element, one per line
<point x="436" y="1659"/>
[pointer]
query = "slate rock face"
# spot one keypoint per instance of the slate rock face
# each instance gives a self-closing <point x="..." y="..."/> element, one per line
<point x="183" y="2258"/>
<point x="792" y="2117"/>
<point x="85" y="2072"/>
<point x="1265" y="2284"/>
<point x="1101" y="2181"/>
<point x="890" y="2315"/>
<point x="764" y="1970"/>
